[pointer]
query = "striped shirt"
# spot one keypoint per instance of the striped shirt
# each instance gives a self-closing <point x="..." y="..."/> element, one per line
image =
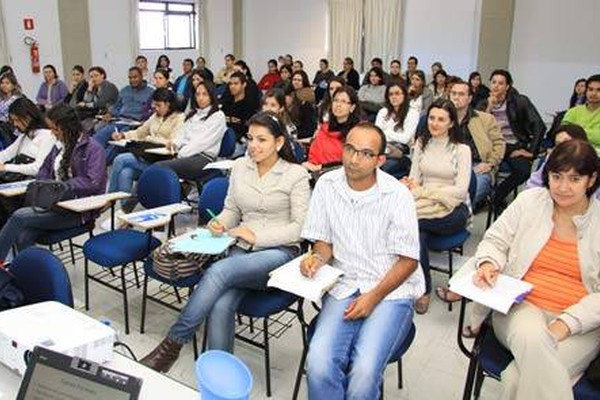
<point x="367" y="230"/>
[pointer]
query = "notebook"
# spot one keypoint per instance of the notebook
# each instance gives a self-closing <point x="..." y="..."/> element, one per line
<point x="501" y="297"/>
<point x="288" y="278"/>
<point x="201" y="241"/>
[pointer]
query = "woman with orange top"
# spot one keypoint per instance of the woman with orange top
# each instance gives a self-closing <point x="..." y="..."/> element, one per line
<point x="549" y="237"/>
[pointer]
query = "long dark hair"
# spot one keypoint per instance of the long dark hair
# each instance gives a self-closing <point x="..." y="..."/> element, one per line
<point x="214" y="101"/>
<point x="277" y="128"/>
<point x="400" y="116"/>
<point x="573" y="100"/>
<point x="326" y="102"/>
<point x="29" y="112"/>
<point x="435" y="84"/>
<point x="353" y="118"/>
<point x="9" y="76"/>
<point x="279" y="96"/>
<point x="167" y="96"/>
<point x="163" y="57"/>
<point x="575" y="154"/>
<point x="245" y="69"/>
<point x="453" y="133"/>
<point x="304" y="76"/>
<point x="66" y="119"/>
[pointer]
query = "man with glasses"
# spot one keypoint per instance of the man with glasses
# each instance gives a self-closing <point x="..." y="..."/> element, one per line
<point x="482" y="133"/>
<point x="364" y="222"/>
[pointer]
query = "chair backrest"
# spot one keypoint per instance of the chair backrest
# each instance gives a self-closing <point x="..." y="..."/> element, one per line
<point x="212" y="197"/>
<point x="158" y="186"/>
<point x="41" y="276"/>
<point x="472" y="188"/>
<point x="227" y="143"/>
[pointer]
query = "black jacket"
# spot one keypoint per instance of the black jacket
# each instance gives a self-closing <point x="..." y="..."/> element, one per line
<point x="524" y="120"/>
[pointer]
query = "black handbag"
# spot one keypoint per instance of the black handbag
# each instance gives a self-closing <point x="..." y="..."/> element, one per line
<point x="138" y="149"/>
<point x="7" y="176"/>
<point x="42" y="195"/>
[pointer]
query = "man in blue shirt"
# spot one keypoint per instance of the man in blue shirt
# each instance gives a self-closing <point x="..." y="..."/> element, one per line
<point x="183" y="84"/>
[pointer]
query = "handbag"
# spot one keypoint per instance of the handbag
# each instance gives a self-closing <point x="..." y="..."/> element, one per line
<point x="10" y="295"/>
<point x="43" y="194"/>
<point x="175" y="265"/>
<point x="21" y="159"/>
<point x="138" y="149"/>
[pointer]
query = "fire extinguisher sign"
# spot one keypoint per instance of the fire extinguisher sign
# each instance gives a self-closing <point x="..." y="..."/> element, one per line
<point x="28" y="24"/>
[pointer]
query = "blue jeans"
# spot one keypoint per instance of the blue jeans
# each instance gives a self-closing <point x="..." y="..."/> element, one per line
<point x="220" y="291"/>
<point x="346" y="359"/>
<point x="125" y="170"/>
<point x="484" y="187"/>
<point x="104" y="135"/>
<point x="25" y="226"/>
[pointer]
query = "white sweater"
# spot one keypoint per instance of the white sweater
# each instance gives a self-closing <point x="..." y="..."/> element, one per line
<point x="37" y="148"/>
<point x="198" y="135"/>
<point x="402" y="135"/>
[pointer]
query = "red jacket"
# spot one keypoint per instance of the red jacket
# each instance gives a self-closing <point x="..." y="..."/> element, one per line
<point x="327" y="147"/>
<point x="268" y="80"/>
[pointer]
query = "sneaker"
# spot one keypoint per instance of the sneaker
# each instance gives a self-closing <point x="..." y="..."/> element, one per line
<point x="105" y="225"/>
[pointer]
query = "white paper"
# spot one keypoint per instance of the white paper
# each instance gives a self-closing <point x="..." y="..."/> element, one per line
<point x="501" y="297"/>
<point x="224" y="164"/>
<point x="289" y="278"/>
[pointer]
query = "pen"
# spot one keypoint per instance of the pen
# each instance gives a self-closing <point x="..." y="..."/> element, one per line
<point x="211" y="213"/>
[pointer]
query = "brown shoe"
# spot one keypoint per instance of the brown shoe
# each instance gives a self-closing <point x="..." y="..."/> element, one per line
<point x="422" y="304"/>
<point x="163" y="357"/>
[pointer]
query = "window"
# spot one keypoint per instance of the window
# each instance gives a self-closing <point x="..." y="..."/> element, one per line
<point x="166" y="25"/>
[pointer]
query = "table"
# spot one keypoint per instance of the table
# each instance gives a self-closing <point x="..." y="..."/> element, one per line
<point x="14" y="188"/>
<point x="155" y="386"/>
<point x="164" y="215"/>
<point x="92" y="202"/>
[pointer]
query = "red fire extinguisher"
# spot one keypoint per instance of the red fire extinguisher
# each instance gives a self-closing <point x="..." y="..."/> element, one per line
<point x="34" y="52"/>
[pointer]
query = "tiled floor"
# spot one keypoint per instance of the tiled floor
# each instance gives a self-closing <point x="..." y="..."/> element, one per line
<point x="434" y="368"/>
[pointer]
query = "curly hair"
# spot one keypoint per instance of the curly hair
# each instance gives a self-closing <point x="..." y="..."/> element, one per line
<point x="65" y="118"/>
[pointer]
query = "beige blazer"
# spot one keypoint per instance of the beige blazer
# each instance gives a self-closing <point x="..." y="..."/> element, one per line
<point x="157" y="129"/>
<point x="272" y="206"/>
<point x="487" y="137"/>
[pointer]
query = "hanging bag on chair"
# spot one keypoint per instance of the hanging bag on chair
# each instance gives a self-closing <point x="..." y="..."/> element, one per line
<point x="43" y="195"/>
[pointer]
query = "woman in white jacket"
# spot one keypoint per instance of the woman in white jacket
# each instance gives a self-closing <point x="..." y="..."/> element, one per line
<point x="199" y="139"/>
<point x="398" y="120"/>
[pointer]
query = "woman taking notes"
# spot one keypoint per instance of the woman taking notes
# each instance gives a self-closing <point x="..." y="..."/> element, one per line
<point x="264" y="210"/>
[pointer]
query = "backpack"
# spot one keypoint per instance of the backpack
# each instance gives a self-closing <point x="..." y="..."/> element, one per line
<point x="10" y="295"/>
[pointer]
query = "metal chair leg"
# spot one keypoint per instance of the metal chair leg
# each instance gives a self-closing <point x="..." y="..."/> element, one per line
<point x="125" y="303"/>
<point x="400" y="380"/>
<point x="144" y="300"/>
<point x="177" y="294"/>
<point x="479" y="376"/>
<point x="267" y="354"/>
<point x="72" y="251"/>
<point x="135" y="273"/>
<point x="86" y="284"/>
<point x="195" y="346"/>
<point x="450" y="272"/>
<point x="300" y="372"/>
<point x="468" y="390"/>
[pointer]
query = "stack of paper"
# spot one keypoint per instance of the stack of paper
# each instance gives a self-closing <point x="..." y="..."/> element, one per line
<point x="289" y="278"/>
<point x="501" y="297"/>
<point x="223" y="164"/>
<point x="201" y="241"/>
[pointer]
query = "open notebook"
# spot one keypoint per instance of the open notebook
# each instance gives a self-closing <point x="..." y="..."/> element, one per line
<point x="288" y="278"/>
<point x="501" y="297"/>
<point x="201" y="241"/>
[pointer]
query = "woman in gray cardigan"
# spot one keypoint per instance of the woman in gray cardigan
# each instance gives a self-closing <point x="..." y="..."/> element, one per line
<point x="264" y="210"/>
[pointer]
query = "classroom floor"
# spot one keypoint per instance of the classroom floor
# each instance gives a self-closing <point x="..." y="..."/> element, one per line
<point x="434" y="368"/>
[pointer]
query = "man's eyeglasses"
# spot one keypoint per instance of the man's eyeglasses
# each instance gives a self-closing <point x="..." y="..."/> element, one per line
<point x="365" y="154"/>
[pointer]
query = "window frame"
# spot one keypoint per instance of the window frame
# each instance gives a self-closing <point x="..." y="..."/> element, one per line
<point x="166" y="12"/>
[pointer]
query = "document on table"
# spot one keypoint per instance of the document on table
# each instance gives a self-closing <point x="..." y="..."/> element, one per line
<point x="289" y="278"/>
<point x="201" y="241"/>
<point x="506" y="292"/>
<point x="224" y="164"/>
<point x="145" y="217"/>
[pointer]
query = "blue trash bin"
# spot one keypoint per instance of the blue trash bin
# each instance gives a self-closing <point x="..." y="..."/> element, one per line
<point x="222" y="376"/>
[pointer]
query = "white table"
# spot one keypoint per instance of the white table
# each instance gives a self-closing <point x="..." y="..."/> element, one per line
<point x="14" y="188"/>
<point x="155" y="385"/>
<point x="92" y="202"/>
<point x="167" y="213"/>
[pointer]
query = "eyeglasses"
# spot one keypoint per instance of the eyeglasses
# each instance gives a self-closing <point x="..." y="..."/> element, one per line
<point x="364" y="154"/>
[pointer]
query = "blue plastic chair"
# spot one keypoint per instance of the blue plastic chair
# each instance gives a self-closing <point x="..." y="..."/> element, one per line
<point x="157" y="187"/>
<point x="227" y="144"/>
<point x="488" y="358"/>
<point x="212" y="197"/>
<point x="41" y="276"/>
<point x="395" y="358"/>
<point x="52" y="238"/>
<point x="452" y="243"/>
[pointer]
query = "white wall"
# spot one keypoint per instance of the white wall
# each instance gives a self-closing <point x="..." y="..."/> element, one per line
<point x="272" y="28"/>
<point x="554" y="42"/>
<point x="218" y="31"/>
<point x="45" y="15"/>
<point x="441" y="30"/>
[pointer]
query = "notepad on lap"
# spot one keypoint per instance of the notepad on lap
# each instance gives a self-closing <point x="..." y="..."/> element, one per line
<point x="201" y="241"/>
<point x="223" y="164"/>
<point x="501" y="297"/>
<point x="288" y="278"/>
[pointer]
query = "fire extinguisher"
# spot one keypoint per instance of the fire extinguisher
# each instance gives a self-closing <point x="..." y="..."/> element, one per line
<point x="34" y="53"/>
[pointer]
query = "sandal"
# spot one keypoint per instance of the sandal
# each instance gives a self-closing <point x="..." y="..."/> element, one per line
<point x="469" y="333"/>
<point x="422" y="304"/>
<point x="446" y="295"/>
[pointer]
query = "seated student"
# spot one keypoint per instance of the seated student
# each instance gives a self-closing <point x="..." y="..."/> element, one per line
<point x="323" y="108"/>
<point x="163" y="62"/>
<point x="328" y="143"/>
<point x="134" y="103"/>
<point x="285" y="76"/>
<point x="548" y="237"/>
<point x="52" y="91"/>
<point x="161" y="79"/>
<point x="438" y="86"/>
<point x="297" y="65"/>
<point x="420" y="95"/>
<point x="183" y="84"/>
<point x="253" y="94"/>
<point x="198" y="77"/>
<point x="201" y="66"/>
<point x="271" y="77"/>
<point x="77" y="86"/>
<point x="411" y="67"/>
<point x="9" y="92"/>
<point x="482" y="133"/>
<point x="78" y="161"/>
<point x="377" y="63"/>
<point x="588" y="115"/>
<point x="225" y="73"/>
<point x="321" y="79"/>
<point x="364" y="222"/>
<point x="142" y="63"/>
<point x="302" y="113"/>
<point x="349" y="74"/>
<point x="301" y="84"/>
<point x="439" y="180"/>
<point x="479" y="92"/>
<point x="395" y="75"/>
<point x="578" y="95"/>
<point x="99" y="95"/>
<point x="398" y="120"/>
<point x="238" y="108"/>
<point x="372" y="94"/>
<point x="264" y="209"/>
<point x="160" y="128"/>
<point x="198" y="141"/>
